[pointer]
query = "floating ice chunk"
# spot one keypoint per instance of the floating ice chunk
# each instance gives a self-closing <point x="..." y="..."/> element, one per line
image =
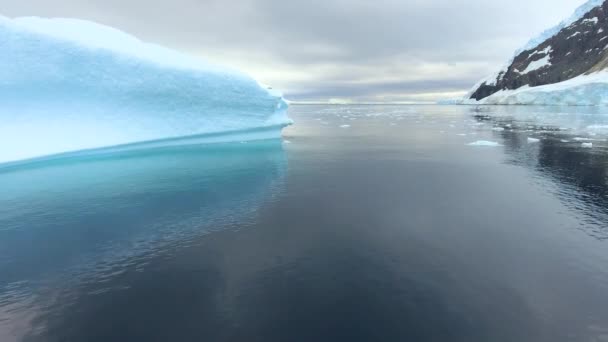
<point x="462" y="134"/>
<point x="484" y="143"/>
<point x="565" y="141"/>
<point x="68" y="85"/>
<point x="587" y="145"/>
<point x="582" y="139"/>
<point x="498" y="129"/>
<point x="533" y="140"/>
<point x="345" y="126"/>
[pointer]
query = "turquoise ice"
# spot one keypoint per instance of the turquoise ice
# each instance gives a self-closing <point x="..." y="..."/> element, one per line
<point x="70" y="85"/>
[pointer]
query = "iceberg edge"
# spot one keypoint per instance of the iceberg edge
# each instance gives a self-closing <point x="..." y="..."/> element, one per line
<point x="69" y="85"/>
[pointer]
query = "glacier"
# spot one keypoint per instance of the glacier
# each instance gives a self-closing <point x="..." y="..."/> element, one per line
<point x="584" y="90"/>
<point x="70" y="85"/>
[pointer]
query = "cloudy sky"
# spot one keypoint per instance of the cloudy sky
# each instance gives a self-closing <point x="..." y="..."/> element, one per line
<point x="328" y="50"/>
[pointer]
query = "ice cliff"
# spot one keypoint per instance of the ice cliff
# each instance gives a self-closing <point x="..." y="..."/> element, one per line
<point x="71" y="85"/>
<point x="565" y="65"/>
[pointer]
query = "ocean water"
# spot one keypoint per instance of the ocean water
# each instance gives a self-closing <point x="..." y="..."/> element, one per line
<point x="366" y="223"/>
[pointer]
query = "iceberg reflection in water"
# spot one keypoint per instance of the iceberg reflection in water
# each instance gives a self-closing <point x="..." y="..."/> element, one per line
<point x="70" y="221"/>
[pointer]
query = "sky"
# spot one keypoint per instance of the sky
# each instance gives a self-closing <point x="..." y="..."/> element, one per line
<point x="332" y="50"/>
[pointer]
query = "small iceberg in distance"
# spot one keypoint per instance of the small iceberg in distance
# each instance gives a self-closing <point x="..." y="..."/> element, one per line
<point x="484" y="143"/>
<point x="69" y="85"/>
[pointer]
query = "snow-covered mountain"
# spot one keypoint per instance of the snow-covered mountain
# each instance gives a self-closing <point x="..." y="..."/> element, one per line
<point x="565" y="65"/>
<point x="69" y="85"/>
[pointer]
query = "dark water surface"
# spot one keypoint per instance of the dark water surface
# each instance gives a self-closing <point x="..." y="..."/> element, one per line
<point x="368" y="223"/>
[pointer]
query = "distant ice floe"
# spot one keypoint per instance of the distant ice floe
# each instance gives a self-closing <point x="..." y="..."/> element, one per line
<point x="587" y="145"/>
<point x="484" y="143"/>
<point x="533" y="140"/>
<point x="345" y="126"/>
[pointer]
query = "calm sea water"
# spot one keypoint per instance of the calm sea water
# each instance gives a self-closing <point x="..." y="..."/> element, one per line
<point x="367" y="223"/>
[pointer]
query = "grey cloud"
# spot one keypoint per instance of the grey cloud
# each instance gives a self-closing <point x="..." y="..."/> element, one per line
<point x="346" y="47"/>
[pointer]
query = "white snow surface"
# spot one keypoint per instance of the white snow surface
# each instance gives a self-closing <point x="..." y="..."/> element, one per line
<point x="535" y="65"/>
<point x="69" y="85"/>
<point x="546" y="51"/>
<point x="593" y="21"/>
<point x="91" y="35"/>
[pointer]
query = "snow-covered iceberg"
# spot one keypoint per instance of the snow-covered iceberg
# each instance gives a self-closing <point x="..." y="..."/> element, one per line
<point x="71" y="85"/>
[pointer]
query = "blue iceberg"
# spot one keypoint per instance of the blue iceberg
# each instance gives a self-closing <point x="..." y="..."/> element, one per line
<point x="71" y="85"/>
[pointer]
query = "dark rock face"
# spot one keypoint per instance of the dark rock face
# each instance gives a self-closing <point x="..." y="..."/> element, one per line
<point x="577" y="49"/>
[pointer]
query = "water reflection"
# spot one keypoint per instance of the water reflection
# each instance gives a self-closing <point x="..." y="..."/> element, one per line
<point x="566" y="145"/>
<point x="81" y="223"/>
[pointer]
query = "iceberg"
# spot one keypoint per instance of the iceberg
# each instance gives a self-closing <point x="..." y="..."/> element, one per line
<point x="71" y="85"/>
<point x="484" y="143"/>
